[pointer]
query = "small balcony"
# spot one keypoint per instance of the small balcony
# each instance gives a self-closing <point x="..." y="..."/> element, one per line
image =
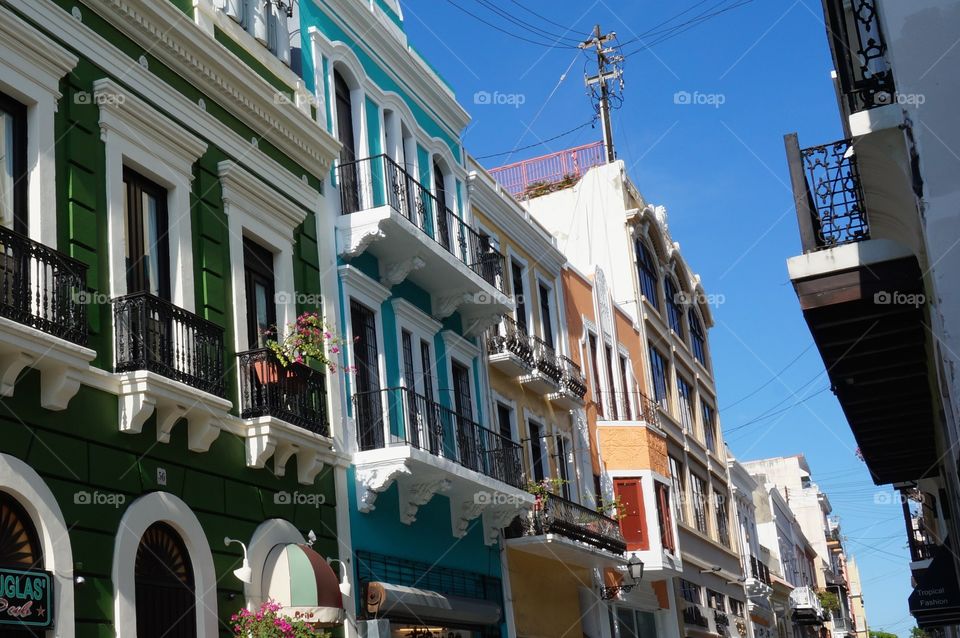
<point x="428" y="448"/>
<point x="170" y="362"/>
<point x="154" y="335"/>
<point x="806" y="607"/>
<point x="563" y="530"/>
<point x="632" y="406"/>
<point x="509" y="349"/>
<point x="758" y="584"/>
<point x="540" y="175"/>
<point x="573" y="386"/>
<point x="863" y="297"/>
<point x="42" y="295"/>
<point x="694" y="615"/>
<point x="295" y="394"/>
<point x="546" y="376"/>
<point x="860" y="54"/>
<point x="387" y="213"/>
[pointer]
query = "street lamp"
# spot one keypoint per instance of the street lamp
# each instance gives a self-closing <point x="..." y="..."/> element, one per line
<point x="634" y="573"/>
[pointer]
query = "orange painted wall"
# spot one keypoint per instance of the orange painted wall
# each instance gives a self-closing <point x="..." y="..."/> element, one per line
<point x="633" y="448"/>
<point x="578" y="298"/>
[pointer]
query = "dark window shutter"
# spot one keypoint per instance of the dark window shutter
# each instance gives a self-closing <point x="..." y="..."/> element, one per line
<point x="633" y="522"/>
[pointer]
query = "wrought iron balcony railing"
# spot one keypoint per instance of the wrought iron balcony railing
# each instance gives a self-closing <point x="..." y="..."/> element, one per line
<point x="692" y="615"/>
<point x="153" y="334"/>
<point x="626" y="406"/>
<point x="720" y="619"/>
<point x="545" y="359"/>
<point x="759" y="571"/>
<point x="827" y="193"/>
<point x="573" y="380"/>
<point x="860" y="53"/>
<point x="507" y="336"/>
<point x="296" y="394"/>
<point x="379" y="181"/>
<point x="572" y="520"/>
<point x="398" y="416"/>
<point x="42" y="288"/>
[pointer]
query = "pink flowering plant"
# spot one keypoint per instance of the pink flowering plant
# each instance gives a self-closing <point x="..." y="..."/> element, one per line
<point x="268" y="622"/>
<point x="309" y="337"/>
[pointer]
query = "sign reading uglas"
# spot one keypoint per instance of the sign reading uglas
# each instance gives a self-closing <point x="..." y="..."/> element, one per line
<point x="26" y="599"/>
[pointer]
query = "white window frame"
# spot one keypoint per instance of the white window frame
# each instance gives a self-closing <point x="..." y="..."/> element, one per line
<point x="498" y="398"/>
<point x="31" y="66"/>
<point x="24" y="484"/>
<point x="255" y="210"/>
<point x="554" y="304"/>
<point x="139" y="137"/>
<point x="162" y="507"/>
<point x="460" y="350"/>
<point x="512" y="256"/>
<point x="546" y="431"/>
<point x="421" y="327"/>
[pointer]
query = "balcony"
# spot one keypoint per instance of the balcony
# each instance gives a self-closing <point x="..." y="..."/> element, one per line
<point x="863" y="297"/>
<point x="806" y="608"/>
<point x="570" y="532"/>
<point x="627" y="407"/>
<point x="860" y="54"/>
<point x="42" y="295"/>
<point x="427" y="448"/>
<point x="387" y="213"/>
<point x="546" y="376"/>
<point x="573" y="386"/>
<point x="694" y="615"/>
<point x="509" y="349"/>
<point x="758" y="584"/>
<point x="170" y="361"/>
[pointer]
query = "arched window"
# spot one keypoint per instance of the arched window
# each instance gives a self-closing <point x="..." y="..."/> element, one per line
<point x="165" y="598"/>
<point x="348" y="171"/>
<point x="647" y="272"/>
<point x="698" y="339"/>
<point x="19" y="543"/>
<point x="674" y="311"/>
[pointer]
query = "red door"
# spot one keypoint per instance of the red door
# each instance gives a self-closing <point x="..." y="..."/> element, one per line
<point x="633" y="519"/>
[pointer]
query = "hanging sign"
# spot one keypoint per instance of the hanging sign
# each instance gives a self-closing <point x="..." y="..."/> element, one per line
<point x="26" y="599"/>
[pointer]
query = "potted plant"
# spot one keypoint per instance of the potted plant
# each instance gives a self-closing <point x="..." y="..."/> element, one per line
<point x="268" y="622"/>
<point x="308" y="339"/>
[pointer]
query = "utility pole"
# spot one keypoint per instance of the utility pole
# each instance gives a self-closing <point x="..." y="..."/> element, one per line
<point x="605" y="74"/>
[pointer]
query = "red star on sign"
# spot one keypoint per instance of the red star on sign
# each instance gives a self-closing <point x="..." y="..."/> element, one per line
<point x="41" y="611"/>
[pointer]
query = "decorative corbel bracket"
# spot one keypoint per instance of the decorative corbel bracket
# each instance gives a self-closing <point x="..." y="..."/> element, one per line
<point x="372" y="481"/>
<point x="413" y="494"/>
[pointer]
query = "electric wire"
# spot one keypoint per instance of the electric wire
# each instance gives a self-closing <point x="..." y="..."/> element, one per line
<point x="540" y="143"/>
<point x="770" y="380"/>
<point x="549" y="45"/>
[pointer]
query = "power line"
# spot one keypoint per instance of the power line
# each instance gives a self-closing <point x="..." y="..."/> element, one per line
<point x="533" y="29"/>
<point x="765" y="416"/>
<point x="549" y="45"/>
<point x="542" y="17"/>
<point x="540" y="143"/>
<point x="667" y="21"/>
<point x="676" y="30"/>
<point x="770" y="380"/>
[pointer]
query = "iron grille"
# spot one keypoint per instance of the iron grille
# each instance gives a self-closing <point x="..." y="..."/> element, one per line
<point x="296" y="394"/>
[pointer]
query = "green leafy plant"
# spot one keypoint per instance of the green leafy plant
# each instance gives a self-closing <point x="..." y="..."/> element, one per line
<point x="545" y="488"/>
<point x="544" y="187"/>
<point x="307" y="338"/>
<point x="612" y="508"/>
<point x="829" y="601"/>
<point x="268" y="622"/>
<point x="887" y="634"/>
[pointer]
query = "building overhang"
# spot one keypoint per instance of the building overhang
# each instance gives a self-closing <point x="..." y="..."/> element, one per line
<point x="558" y="547"/>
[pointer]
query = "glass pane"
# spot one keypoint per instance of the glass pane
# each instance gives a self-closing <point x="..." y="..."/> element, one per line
<point x="627" y="623"/>
<point x="646" y="624"/>
<point x="260" y="301"/>
<point x="6" y="162"/>
<point x="151" y="241"/>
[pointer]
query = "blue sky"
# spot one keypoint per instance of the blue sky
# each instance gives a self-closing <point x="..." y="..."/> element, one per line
<point x="720" y="171"/>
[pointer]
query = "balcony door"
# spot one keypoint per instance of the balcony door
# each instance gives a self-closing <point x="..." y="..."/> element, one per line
<point x="349" y="178"/>
<point x="13" y="163"/>
<point x="424" y="426"/>
<point x="633" y="523"/>
<point x="467" y="435"/>
<point x="148" y="248"/>
<point x="443" y="224"/>
<point x="366" y="358"/>
<point x="261" y="293"/>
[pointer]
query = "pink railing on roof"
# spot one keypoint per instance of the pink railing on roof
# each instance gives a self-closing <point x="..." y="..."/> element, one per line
<point x="517" y="177"/>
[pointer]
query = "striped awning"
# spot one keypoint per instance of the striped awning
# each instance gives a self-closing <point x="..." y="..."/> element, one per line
<point x="302" y="582"/>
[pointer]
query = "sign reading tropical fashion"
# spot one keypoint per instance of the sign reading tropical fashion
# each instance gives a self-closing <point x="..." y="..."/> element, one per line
<point x="26" y="598"/>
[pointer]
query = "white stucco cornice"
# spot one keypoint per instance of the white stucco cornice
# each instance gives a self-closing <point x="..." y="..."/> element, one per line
<point x="258" y="200"/>
<point x="172" y="37"/>
<point x="422" y="82"/>
<point x="49" y="61"/>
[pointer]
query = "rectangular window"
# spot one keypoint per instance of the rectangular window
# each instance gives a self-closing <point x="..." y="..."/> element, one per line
<point x="736" y="607"/>
<point x="259" y="287"/>
<point x="716" y="600"/>
<point x="698" y="492"/>
<point x="625" y="384"/>
<point x="367" y="377"/>
<point x="691" y="592"/>
<point x="658" y="370"/>
<point x="546" y="316"/>
<point x="720" y="508"/>
<point x="505" y="421"/>
<point x="516" y="272"/>
<point x="13" y="163"/>
<point x="148" y="251"/>
<point x="647" y="273"/>
<point x="536" y="450"/>
<point x="409" y="376"/>
<point x="674" y="312"/>
<point x="610" y="384"/>
<point x="677" y="486"/>
<point x="709" y="416"/>
<point x="664" y="516"/>
<point x="595" y="373"/>
<point x="633" y="519"/>
<point x="685" y="404"/>
<point x="562" y="467"/>
<point x="697" y="338"/>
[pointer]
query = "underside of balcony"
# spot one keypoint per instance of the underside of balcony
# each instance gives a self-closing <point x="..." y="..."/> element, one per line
<point x="869" y="324"/>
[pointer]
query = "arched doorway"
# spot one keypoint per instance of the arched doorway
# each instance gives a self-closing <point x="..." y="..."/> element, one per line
<point x="165" y="591"/>
<point x="19" y="542"/>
